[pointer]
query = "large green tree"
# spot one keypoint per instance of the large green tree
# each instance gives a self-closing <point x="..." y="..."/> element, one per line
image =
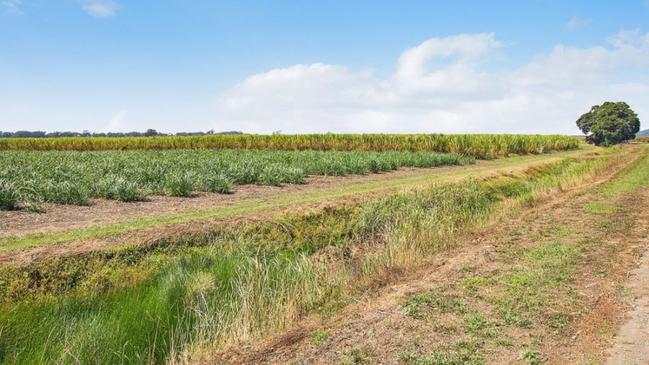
<point x="609" y="123"/>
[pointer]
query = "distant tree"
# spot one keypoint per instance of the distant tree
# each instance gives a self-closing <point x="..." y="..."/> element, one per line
<point x="150" y="133"/>
<point x="29" y="134"/>
<point x="610" y="123"/>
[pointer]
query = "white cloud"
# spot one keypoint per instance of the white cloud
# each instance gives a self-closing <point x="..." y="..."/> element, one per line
<point x="116" y="122"/>
<point x="100" y="8"/>
<point x="442" y="85"/>
<point x="13" y="7"/>
<point x="578" y="23"/>
<point x="463" y="49"/>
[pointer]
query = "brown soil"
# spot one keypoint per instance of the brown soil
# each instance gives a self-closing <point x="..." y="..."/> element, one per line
<point x="375" y="329"/>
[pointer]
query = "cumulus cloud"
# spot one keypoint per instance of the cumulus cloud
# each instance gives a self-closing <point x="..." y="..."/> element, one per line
<point x="444" y="85"/>
<point x="12" y="6"/>
<point x="100" y="8"/>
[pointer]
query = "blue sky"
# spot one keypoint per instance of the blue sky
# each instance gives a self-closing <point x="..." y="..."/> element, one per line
<point x="317" y="66"/>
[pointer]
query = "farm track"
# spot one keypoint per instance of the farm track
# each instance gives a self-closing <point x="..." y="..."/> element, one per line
<point x="67" y="230"/>
<point x="609" y="234"/>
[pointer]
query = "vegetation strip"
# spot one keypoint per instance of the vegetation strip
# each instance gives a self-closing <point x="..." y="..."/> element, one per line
<point x="28" y="179"/>
<point x="285" y="201"/>
<point x="178" y="301"/>
<point x="475" y="145"/>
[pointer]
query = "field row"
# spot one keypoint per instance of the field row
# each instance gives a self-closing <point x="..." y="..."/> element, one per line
<point x="28" y="179"/>
<point x="478" y="146"/>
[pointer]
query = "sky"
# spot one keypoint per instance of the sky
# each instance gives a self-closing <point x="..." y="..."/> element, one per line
<point x="341" y="66"/>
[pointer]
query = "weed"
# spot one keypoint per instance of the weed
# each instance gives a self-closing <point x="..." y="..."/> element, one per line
<point x="477" y="325"/>
<point x="412" y="307"/>
<point x="597" y="207"/>
<point x="511" y="314"/>
<point x="505" y="342"/>
<point x="559" y="321"/>
<point x="533" y="357"/>
<point x="357" y="356"/>
<point x="319" y="337"/>
<point x="473" y="284"/>
<point x="416" y="305"/>
<point x="461" y="353"/>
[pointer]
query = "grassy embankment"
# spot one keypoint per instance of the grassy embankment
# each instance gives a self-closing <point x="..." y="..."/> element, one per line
<point x="181" y="299"/>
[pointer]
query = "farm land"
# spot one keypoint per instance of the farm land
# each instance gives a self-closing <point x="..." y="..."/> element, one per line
<point x="414" y="249"/>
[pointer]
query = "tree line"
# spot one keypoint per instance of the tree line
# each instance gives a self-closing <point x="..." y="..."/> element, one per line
<point x="147" y="133"/>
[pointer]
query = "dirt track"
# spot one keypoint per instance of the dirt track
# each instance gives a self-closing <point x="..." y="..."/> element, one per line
<point x="631" y="343"/>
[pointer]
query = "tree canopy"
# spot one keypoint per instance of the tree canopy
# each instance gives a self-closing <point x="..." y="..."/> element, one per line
<point x="610" y="123"/>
